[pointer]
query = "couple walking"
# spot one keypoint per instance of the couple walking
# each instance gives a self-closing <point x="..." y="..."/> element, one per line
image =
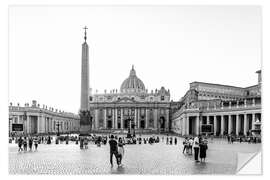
<point x="117" y="150"/>
<point x="200" y="147"/>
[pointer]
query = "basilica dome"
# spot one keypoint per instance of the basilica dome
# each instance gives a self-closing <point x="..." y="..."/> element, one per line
<point x="132" y="83"/>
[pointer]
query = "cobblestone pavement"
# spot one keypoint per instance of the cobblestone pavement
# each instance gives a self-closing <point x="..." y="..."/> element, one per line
<point x="139" y="159"/>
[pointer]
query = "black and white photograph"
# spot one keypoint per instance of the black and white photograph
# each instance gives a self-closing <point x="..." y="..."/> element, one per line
<point x="135" y="90"/>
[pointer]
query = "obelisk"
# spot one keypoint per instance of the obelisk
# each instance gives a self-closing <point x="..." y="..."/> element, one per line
<point x="85" y="122"/>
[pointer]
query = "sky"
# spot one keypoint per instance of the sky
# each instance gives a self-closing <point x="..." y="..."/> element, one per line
<point x="169" y="46"/>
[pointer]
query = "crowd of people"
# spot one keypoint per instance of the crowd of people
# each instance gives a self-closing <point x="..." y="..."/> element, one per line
<point x="199" y="146"/>
<point x="192" y="145"/>
<point x="27" y="142"/>
<point x="250" y="139"/>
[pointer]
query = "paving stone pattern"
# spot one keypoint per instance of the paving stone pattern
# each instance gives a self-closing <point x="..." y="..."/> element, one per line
<point x="158" y="158"/>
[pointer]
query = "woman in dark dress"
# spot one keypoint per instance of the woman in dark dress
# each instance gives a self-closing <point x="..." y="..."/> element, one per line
<point x="203" y="148"/>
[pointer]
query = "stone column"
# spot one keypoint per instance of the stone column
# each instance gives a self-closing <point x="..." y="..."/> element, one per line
<point x="122" y="123"/>
<point x="39" y="121"/>
<point x="215" y="125"/>
<point x="156" y="118"/>
<point x="187" y="125"/>
<point x="207" y="119"/>
<point x="147" y="118"/>
<point x="28" y="127"/>
<point x="52" y="124"/>
<point x="116" y="119"/>
<point x="230" y="124"/>
<point x="222" y="125"/>
<point x="253" y="121"/>
<point x="183" y="127"/>
<point x="45" y="124"/>
<point x="237" y="124"/>
<point x="167" y="119"/>
<point x="96" y="118"/>
<point x="197" y="125"/>
<point x="253" y="102"/>
<point x="105" y="118"/>
<point x="245" y="124"/>
<point x="139" y="118"/>
<point x="135" y="118"/>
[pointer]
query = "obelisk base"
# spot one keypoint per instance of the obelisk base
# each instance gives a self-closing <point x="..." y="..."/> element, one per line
<point x="85" y="123"/>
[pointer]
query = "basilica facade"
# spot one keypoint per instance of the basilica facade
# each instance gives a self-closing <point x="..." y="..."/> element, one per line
<point x="132" y="106"/>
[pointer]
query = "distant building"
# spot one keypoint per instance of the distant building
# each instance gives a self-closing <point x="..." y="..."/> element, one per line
<point x="227" y="109"/>
<point x="42" y="120"/>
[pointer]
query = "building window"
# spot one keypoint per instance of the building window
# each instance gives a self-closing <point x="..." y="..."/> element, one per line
<point x="162" y="98"/>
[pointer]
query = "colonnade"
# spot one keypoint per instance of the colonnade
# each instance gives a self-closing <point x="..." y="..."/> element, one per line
<point x="142" y="120"/>
<point x="36" y="124"/>
<point x="231" y="123"/>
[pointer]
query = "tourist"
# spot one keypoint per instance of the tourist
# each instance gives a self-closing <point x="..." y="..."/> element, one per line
<point x="240" y="140"/>
<point x="85" y="143"/>
<point x="203" y="147"/>
<point x="190" y="144"/>
<point x="121" y="151"/>
<point x="25" y="144"/>
<point x="196" y="148"/>
<point x="36" y="143"/>
<point x="81" y="142"/>
<point x="229" y="139"/>
<point x="175" y="140"/>
<point x="140" y="140"/>
<point x="167" y="140"/>
<point x="30" y="143"/>
<point x="113" y="149"/>
<point x="232" y="139"/>
<point x="185" y="144"/>
<point x="20" y="143"/>
<point x="171" y="139"/>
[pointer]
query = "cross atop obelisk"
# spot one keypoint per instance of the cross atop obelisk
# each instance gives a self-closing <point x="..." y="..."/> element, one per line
<point x="85" y="37"/>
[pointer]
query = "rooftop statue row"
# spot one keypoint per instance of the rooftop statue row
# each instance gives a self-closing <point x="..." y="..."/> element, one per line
<point x="35" y="105"/>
